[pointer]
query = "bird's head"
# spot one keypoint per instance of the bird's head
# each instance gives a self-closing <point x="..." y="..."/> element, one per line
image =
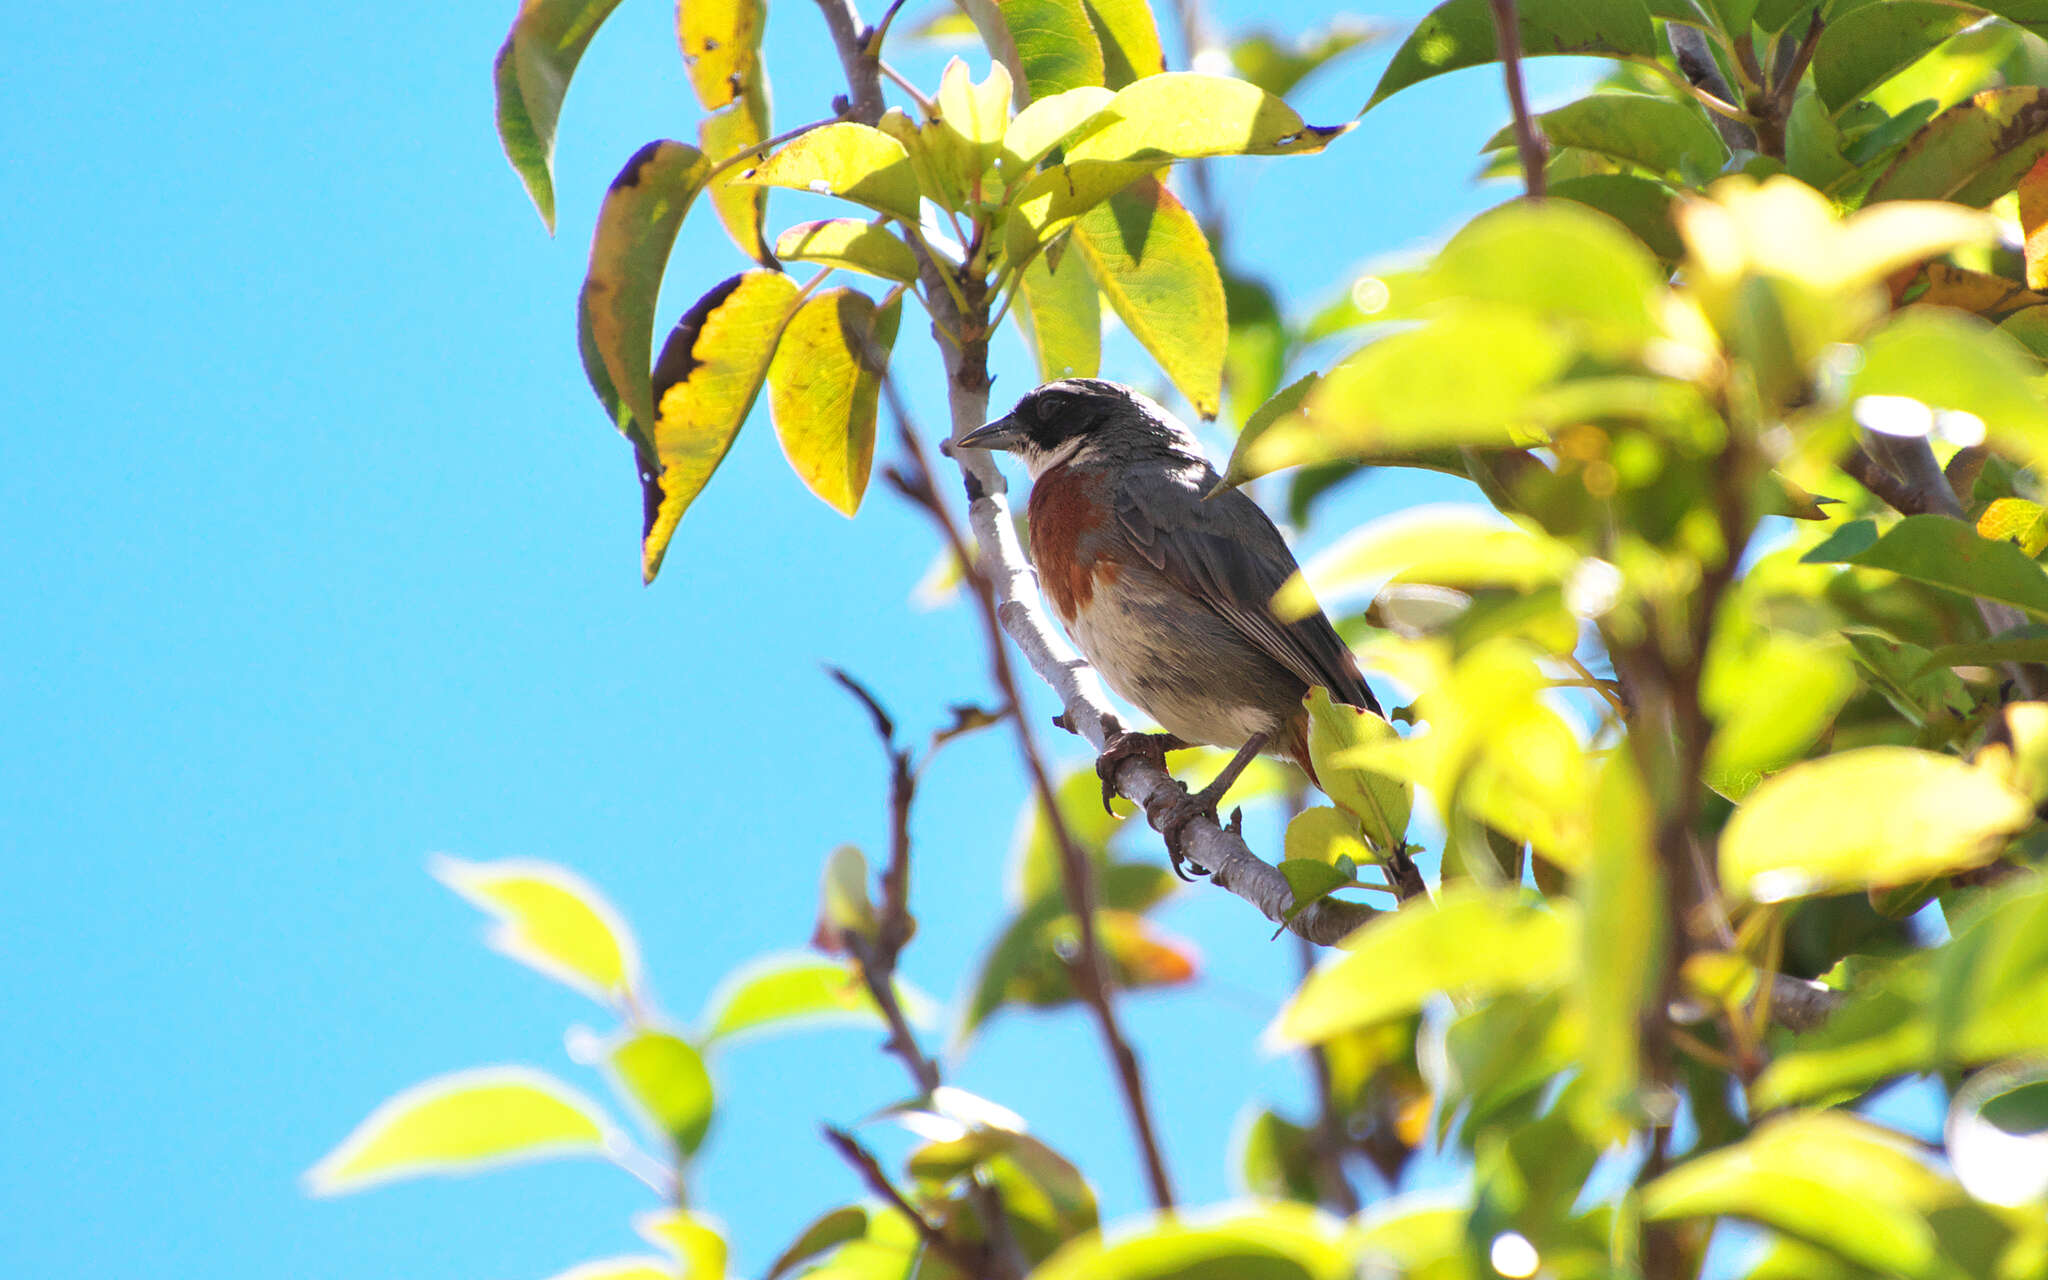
<point x="1088" y="419"/>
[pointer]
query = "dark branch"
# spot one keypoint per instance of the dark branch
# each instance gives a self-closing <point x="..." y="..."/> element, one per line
<point x="1529" y="141"/>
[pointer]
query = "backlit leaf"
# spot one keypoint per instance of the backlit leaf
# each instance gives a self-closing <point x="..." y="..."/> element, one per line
<point x="1974" y="152"/>
<point x="711" y="368"/>
<point x="1129" y="39"/>
<point x="852" y="245"/>
<point x="1150" y="259"/>
<point x="1867" y="44"/>
<point x="1323" y="834"/>
<point x="636" y="229"/>
<point x="1944" y="553"/>
<point x="664" y="1075"/>
<point x="1505" y="255"/>
<point x="1643" y="205"/>
<point x="795" y="990"/>
<point x="2016" y="520"/>
<point x="1278" y="1242"/>
<point x="1836" y="1180"/>
<point x="721" y="41"/>
<point x="532" y="73"/>
<point x="836" y="1227"/>
<point x="1622" y="891"/>
<point x="550" y="919"/>
<point x="1184" y="115"/>
<point x="629" y="1267"/>
<point x="1289" y="404"/>
<point x="1460" y="34"/>
<point x="1871" y="816"/>
<point x="1061" y="315"/>
<point x="1277" y="63"/>
<point x="692" y="1239"/>
<point x="1664" y="135"/>
<point x="854" y="161"/>
<point x="2033" y="192"/>
<point x="463" y="1122"/>
<point x="1049" y="45"/>
<point x="1946" y="360"/>
<point x="742" y="207"/>
<point x="823" y="387"/>
<point x="1473" y="941"/>
<point x="1335" y="732"/>
<point x="1046" y="123"/>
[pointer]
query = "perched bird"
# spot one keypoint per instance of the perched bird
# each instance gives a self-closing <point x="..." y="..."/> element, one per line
<point x="1167" y="592"/>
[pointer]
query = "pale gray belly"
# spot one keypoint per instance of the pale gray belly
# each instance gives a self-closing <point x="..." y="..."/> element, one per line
<point x="1182" y="665"/>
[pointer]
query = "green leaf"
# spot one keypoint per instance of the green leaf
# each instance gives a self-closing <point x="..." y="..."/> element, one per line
<point x="1279" y="1160"/>
<point x="792" y="991"/>
<point x="823" y="388"/>
<point x="710" y="371"/>
<point x="1278" y="1242"/>
<point x="1288" y="404"/>
<point x="1871" y="816"/>
<point x="1461" y="546"/>
<point x="1150" y="259"/>
<point x="1882" y="1031"/>
<point x="1664" y="135"/>
<point x="1045" y="124"/>
<point x="1643" y="205"/>
<point x="1048" y="45"/>
<point x="1061" y="316"/>
<point x="1771" y="697"/>
<point x="1944" y="553"/>
<point x="1946" y="360"/>
<point x="1326" y="835"/>
<point x="1460" y="34"/>
<point x="1185" y="115"/>
<point x="1129" y="39"/>
<point x="1508" y="255"/>
<point x="1336" y="733"/>
<point x="743" y="126"/>
<point x="2021" y="644"/>
<point x="1990" y="999"/>
<point x="1465" y="378"/>
<point x="692" y="1239"/>
<point x="665" y="1077"/>
<point x="532" y="73"/>
<point x="1276" y="63"/>
<point x="843" y="901"/>
<point x="1309" y="880"/>
<point x="1474" y="941"/>
<point x="1863" y="46"/>
<point x="1031" y="961"/>
<point x="1974" y="152"/>
<point x="550" y="919"/>
<point x="1833" y="1179"/>
<point x="721" y="42"/>
<point x="829" y="1230"/>
<point x="463" y="1122"/>
<point x="849" y="160"/>
<point x="636" y="229"/>
<point x="851" y="245"/>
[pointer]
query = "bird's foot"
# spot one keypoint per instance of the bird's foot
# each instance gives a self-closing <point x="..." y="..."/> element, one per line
<point x="1124" y="745"/>
<point x="1202" y="804"/>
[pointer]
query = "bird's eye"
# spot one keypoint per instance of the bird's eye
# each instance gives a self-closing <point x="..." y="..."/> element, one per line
<point x="1052" y="406"/>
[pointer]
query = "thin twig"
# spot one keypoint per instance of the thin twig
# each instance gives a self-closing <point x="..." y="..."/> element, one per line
<point x="1529" y="141"/>
<point x="1091" y="971"/>
<point x="760" y="149"/>
<point x="974" y="1262"/>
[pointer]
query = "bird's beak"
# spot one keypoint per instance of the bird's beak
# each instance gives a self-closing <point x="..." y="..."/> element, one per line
<point x="1003" y="433"/>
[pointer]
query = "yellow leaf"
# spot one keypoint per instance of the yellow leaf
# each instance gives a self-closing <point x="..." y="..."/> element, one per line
<point x="461" y="1123"/>
<point x="1182" y="115"/>
<point x="2016" y="520"/>
<point x="1336" y="734"/>
<point x="1152" y="262"/>
<point x="1871" y="816"/>
<point x="742" y="207"/>
<point x="823" y="385"/>
<point x="851" y="245"/>
<point x="1061" y="315"/>
<point x="551" y="919"/>
<point x="711" y="369"/>
<point x="853" y="161"/>
<point x="1046" y="123"/>
<point x="721" y="41"/>
<point x="693" y="1238"/>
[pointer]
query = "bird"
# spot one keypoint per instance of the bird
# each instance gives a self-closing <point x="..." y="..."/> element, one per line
<point x="1165" y="580"/>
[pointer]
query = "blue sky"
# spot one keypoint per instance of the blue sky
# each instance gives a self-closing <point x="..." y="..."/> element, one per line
<point x="320" y="558"/>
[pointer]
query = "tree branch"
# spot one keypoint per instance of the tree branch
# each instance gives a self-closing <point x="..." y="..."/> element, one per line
<point x="980" y="1261"/>
<point x="1529" y="141"/>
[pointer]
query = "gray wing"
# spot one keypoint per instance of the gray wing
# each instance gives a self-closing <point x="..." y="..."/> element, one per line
<point x="1227" y="553"/>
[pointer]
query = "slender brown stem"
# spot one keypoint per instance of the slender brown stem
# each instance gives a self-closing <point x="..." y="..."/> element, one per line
<point x="1091" y="971"/>
<point x="970" y="1260"/>
<point x="1528" y="137"/>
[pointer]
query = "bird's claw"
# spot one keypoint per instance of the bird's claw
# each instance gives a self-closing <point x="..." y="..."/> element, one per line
<point x="1124" y="745"/>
